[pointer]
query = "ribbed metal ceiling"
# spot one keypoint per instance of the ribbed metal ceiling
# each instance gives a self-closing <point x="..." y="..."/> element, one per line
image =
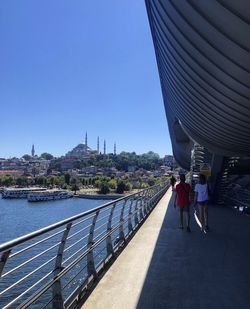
<point x="202" y="50"/>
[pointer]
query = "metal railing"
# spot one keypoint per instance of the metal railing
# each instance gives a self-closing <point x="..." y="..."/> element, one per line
<point x="53" y="267"/>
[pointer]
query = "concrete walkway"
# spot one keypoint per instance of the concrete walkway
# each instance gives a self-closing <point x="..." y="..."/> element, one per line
<point x="164" y="267"/>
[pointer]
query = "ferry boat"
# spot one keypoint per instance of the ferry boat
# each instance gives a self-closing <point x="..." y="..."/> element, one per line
<point x="49" y="195"/>
<point x="19" y="192"/>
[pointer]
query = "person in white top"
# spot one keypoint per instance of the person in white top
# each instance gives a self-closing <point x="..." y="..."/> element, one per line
<point x="201" y="198"/>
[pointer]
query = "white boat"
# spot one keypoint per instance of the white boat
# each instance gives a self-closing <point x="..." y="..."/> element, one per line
<point x="19" y="192"/>
<point x="49" y="195"/>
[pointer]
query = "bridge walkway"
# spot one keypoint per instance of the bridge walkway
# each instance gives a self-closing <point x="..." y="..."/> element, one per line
<point x="165" y="267"/>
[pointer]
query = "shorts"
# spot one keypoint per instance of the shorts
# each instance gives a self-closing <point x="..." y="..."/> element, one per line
<point x="202" y="203"/>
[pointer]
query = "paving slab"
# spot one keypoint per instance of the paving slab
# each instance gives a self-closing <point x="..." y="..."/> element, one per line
<point x="165" y="267"/>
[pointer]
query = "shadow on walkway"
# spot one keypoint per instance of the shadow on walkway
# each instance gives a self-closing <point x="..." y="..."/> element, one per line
<point x="197" y="270"/>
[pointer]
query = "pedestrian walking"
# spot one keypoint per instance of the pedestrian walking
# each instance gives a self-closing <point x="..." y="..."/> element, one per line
<point x="182" y="200"/>
<point x="172" y="181"/>
<point x="201" y="198"/>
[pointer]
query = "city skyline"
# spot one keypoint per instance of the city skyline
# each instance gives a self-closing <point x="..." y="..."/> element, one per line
<point x="33" y="151"/>
<point x="85" y="67"/>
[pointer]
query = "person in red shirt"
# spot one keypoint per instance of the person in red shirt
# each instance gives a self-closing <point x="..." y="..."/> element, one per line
<point x="183" y="191"/>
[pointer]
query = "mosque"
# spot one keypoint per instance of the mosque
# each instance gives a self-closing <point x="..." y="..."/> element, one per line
<point x="83" y="151"/>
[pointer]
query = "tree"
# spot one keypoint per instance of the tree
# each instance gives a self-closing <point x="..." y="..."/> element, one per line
<point x="97" y="183"/>
<point x="128" y="186"/>
<point x="59" y="181"/>
<point x="120" y="187"/>
<point x="136" y="185"/>
<point x="67" y="178"/>
<point x="41" y="181"/>
<point x="51" y="180"/>
<point x="83" y="181"/>
<point x="21" y="181"/>
<point x="47" y="156"/>
<point x="139" y="179"/>
<point x="112" y="184"/>
<point x="144" y="185"/>
<point x="7" y="181"/>
<point x="26" y="157"/>
<point x="104" y="188"/>
<point x="152" y="181"/>
<point x="74" y="188"/>
<point x="74" y="184"/>
<point x="73" y="181"/>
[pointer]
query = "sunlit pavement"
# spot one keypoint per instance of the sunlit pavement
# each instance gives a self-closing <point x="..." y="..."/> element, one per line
<point x="165" y="267"/>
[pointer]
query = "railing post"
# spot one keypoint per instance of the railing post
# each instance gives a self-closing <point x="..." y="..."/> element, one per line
<point x="57" y="286"/>
<point x="3" y="260"/>
<point x="154" y="196"/>
<point x="90" y="255"/>
<point x="141" y="201"/>
<point x="136" y="210"/>
<point x="157" y="194"/>
<point x="151" y="198"/>
<point x="109" y="244"/>
<point x="142" y="207"/>
<point x="121" y="230"/>
<point x="147" y="207"/>
<point x="148" y="201"/>
<point x="130" y="225"/>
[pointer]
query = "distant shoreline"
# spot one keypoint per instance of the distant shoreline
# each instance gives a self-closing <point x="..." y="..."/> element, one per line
<point x="100" y="196"/>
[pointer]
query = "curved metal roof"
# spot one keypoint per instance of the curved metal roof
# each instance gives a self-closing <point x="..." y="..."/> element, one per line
<point x="202" y="49"/>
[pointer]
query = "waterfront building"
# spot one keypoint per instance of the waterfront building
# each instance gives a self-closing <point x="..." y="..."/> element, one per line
<point x="83" y="151"/>
<point x="89" y="170"/>
<point x="13" y="172"/>
<point x="119" y="174"/>
<point x="80" y="151"/>
<point x="109" y="171"/>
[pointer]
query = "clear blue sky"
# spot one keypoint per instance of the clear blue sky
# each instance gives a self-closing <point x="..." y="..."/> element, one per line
<point x="67" y="67"/>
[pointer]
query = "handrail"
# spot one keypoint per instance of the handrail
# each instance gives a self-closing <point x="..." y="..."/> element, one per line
<point x="8" y="245"/>
<point x="72" y="252"/>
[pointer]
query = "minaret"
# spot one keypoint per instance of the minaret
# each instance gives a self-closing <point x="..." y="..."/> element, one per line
<point x="86" y="140"/>
<point x="33" y="150"/>
<point x="115" y="148"/>
<point x="98" y="145"/>
<point x="104" y="147"/>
